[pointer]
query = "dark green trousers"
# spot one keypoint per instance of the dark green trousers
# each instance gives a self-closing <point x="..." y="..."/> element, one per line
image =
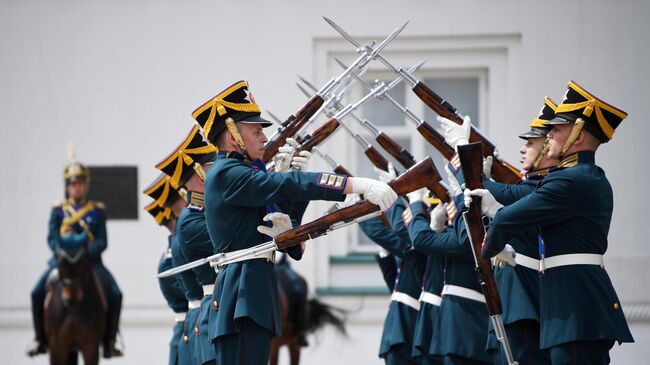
<point x="581" y="353"/>
<point x="250" y="346"/>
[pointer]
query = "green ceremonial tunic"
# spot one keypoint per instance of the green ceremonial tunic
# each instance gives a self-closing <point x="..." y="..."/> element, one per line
<point x="236" y="198"/>
<point x="572" y="208"/>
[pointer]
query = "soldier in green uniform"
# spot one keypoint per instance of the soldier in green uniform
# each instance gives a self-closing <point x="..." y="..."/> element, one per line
<point x="580" y="314"/>
<point x="397" y="336"/>
<point x="186" y="166"/>
<point x="68" y="219"/>
<point x="517" y="276"/>
<point x="165" y="208"/>
<point x="241" y="198"/>
<point x="459" y="328"/>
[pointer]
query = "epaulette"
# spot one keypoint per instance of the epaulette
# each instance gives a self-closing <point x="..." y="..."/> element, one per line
<point x="56" y="204"/>
<point x="196" y="201"/>
<point x="454" y="164"/>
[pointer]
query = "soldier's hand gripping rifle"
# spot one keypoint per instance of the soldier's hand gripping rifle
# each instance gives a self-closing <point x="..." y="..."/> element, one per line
<point x="502" y="171"/>
<point x="295" y="122"/>
<point x="471" y="157"/>
<point x="410" y="180"/>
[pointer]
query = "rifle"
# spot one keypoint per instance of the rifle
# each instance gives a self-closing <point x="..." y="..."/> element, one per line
<point x="331" y="125"/>
<point x="337" y="168"/>
<point x="368" y="149"/>
<point x="410" y="180"/>
<point x="429" y="133"/>
<point x="390" y="145"/>
<point x="471" y="157"/>
<point x="296" y="122"/>
<point x="501" y="171"/>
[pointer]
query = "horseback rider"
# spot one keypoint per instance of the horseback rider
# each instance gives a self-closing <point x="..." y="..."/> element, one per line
<point x="78" y="215"/>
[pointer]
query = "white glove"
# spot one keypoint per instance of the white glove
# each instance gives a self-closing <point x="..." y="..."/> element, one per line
<point x="351" y="199"/>
<point x="487" y="167"/>
<point x="283" y="158"/>
<point x="386" y="176"/>
<point x="438" y="218"/>
<point x="454" y="186"/>
<point x="300" y="162"/>
<point x="417" y="195"/>
<point x="489" y="205"/>
<point x="497" y="155"/>
<point x="383" y="253"/>
<point x="374" y="191"/>
<point x="505" y="257"/>
<point x="455" y="134"/>
<point x="281" y="223"/>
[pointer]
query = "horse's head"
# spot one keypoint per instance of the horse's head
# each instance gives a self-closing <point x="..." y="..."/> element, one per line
<point x="72" y="262"/>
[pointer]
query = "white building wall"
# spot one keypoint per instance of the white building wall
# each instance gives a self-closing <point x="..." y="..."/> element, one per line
<point x="120" y="79"/>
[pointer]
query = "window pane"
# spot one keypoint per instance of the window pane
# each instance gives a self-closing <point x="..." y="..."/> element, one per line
<point x="382" y="112"/>
<point x="461" y="92"/>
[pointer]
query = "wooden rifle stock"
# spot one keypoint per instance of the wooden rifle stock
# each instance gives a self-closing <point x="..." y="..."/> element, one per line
<point x="342" y="171"/>
<point x="291" y="126"/>
<point x="471" y="161"/>
<point x="394" y="149"/>
<point x="501" y="170"/>
<point x="376" y="158"/>
<point x="413" y="179"/>
<point x="318" y="135"/>
<point x="436" y="140"/>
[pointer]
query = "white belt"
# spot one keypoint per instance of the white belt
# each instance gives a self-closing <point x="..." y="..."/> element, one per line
<point x="459" y="291"/>
<point x="270" y="256"/>
<point x="208" y="289"/>
<point x="430" y="298"/>
<point x="572" y="259"/>
<point x="526" y="261"/>
<point x="405" y="299"/>
<point x="193" y="304"/>
<point x="179" y="317"/>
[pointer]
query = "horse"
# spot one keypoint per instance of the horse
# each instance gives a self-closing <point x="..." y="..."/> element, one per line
<point x="75" y="308"/>
<point x="317" y="314"/>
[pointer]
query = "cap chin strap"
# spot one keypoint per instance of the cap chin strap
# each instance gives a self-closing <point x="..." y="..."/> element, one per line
<point x="540" y="155"/>
<point x="232" y="128"/>
<point x="575" y="131"/>
<point x="200" y="172"/>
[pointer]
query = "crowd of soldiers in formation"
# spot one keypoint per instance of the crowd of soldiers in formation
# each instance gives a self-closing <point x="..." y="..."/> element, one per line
<point x="230" y="198"/>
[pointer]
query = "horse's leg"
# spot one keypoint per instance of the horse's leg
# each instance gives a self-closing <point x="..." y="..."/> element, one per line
<point x="58" y="356"/>
<point x="273" y="353"/>
<point x="73" y="357"/>
<point x="91" y="354"/>
<point x="294" y="352"/>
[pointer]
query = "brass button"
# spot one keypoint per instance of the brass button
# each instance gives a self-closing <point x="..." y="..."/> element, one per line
<point x="215" y="305"/>
<point x="185" y="338"/>
<point x="616" y="306"/>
